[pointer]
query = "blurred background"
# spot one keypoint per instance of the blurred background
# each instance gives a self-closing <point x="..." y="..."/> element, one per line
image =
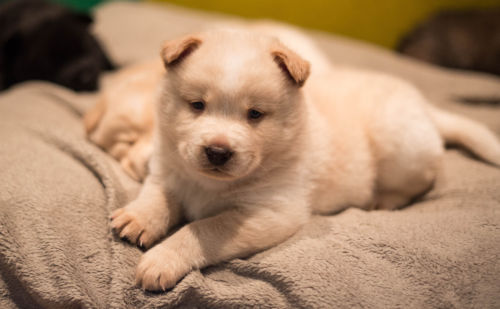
<point x="458" y="34"/>
<point x="382" y="22"/>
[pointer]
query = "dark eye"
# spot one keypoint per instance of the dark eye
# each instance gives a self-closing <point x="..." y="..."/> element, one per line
<point x="199" y="106"/>
<point x="254" y="114"/>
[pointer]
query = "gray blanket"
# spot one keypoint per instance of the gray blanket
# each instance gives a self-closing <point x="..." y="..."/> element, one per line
<point x="57" y="191"/>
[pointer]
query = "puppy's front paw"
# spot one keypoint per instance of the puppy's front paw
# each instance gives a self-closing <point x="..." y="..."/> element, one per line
<point x="160" y="268"/>
<point x="138" y="225"/>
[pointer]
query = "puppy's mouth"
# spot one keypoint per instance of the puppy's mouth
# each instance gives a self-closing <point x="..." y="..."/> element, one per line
<point x="217" y="173"/>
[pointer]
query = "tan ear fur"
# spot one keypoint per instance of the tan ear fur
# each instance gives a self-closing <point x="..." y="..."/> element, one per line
<point x="292" y="64"/>
<point x="174" y="51"/>
<point x="93" y="116"/>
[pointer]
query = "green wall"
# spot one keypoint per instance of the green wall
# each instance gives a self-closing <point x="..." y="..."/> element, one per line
<point x="378" y="21"/>
<point x="79" y="5"/>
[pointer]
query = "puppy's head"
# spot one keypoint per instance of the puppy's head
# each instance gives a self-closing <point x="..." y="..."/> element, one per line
<point x="232" y="103"/>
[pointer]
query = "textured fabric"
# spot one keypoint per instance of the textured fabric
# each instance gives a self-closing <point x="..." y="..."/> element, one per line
<point x="57" y="191"/>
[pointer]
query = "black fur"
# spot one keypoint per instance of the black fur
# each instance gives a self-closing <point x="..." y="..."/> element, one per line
<point x="44" y="41"/>
<point x="468" y="40"/>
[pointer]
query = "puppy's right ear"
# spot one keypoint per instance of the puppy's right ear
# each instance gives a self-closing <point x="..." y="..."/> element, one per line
<point x="176" y="50"/>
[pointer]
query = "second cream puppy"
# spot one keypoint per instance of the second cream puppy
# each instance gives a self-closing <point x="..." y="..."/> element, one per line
<point x="248" y="144"/>
<point x="121" y="122"/>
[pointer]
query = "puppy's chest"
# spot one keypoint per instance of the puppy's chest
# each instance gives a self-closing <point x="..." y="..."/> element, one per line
<point x="199" y="203"/>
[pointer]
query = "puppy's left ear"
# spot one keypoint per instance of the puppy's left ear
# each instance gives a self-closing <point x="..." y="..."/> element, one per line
<point x="296" y="68"/>
<point x="174" y="51"/>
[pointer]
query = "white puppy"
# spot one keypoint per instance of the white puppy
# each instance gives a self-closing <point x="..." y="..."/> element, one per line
<point x="246" y="149"/>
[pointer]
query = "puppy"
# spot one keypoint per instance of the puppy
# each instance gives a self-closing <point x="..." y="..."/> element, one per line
<point x="461" y="39"/>
<point x="121" y="122"/>
<point x="250" y="139"/>
<point x="46" y="41"/>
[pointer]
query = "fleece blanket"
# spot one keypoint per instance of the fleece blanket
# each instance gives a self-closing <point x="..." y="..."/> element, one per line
<point x="57" y="191"/>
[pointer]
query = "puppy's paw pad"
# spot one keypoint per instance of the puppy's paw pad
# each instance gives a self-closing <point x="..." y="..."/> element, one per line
<point x="160" y="269"/>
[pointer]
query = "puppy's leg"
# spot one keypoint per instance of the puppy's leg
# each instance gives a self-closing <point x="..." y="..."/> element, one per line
<point x="408" y="149"/>
<point x="234" y="233"/>
<point x="148" y="218"/>
<point x="135" y="162"/>
<point x="405" y="173"/>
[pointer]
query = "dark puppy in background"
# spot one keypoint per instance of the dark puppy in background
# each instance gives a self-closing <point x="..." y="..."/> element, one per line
<point x="45" y="41"/>
<point x="462" y="39"/>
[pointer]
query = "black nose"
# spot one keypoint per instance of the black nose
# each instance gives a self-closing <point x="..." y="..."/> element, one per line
<point x="218" y="155"/>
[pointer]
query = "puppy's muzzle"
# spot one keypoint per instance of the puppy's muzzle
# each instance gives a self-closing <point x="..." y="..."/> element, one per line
<point x="218" y="155"/>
